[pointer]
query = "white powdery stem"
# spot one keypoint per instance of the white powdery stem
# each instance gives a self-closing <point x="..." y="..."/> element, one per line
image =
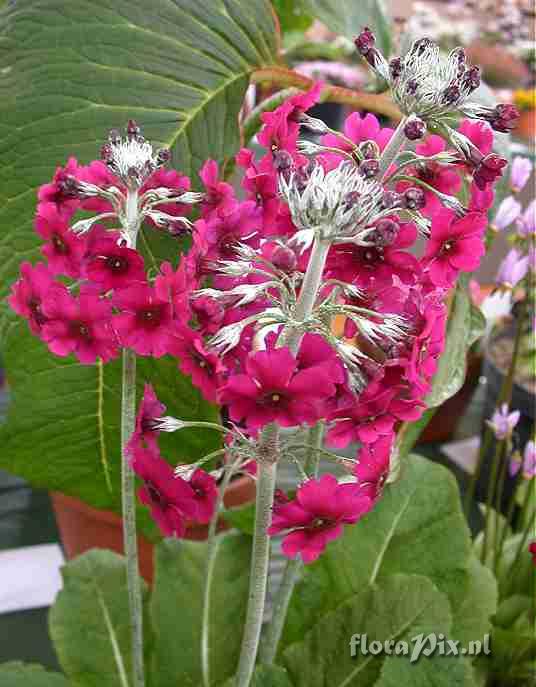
<point x="130" y="541"/>
<point x="396" y="143"/>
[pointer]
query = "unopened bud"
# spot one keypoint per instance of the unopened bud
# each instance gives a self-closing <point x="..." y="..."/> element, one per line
<point x="415" y="129"/>
<point x="414" y="199"/>
<point x="369" y="168"/>
<point x="284" y="259"/>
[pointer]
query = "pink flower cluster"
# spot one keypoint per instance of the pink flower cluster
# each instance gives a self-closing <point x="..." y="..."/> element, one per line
<point x="173" y="500"/>
<point x="217" y="312"/>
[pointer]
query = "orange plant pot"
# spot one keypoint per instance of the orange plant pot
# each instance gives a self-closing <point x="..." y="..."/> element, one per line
<point x="83" y="527"/>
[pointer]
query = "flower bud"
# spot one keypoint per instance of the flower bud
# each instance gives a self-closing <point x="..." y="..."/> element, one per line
<point x="415" y="129"/>
<point x="365" y="41"/>
<point x="414" y="199"/>
<point x="369" y="168"/>
<point x="391" y="199"/>
<point x="385" y="233"/>
<point x="284" y="259"/>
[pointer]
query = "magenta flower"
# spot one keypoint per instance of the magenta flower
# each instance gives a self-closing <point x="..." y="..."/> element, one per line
<point x="208" y="313"/>
<point x="526" y="224"/>
<point x="64" y="250"/>
<point x="532" y="551"/>
<point x="520" y="172"/>
<point x="82" y="325"/>
<point x="503" y="422"/>
<point x="224" y="232"/>
<point x="28" y="293"/>
<point x="220" y="197"/>
<point x="441" y="177"/>
<point x="358" y="129"/>
<point x="512" y="269"/>
<point x="205" y="369"/>
<point x="317" y="516"/>
<point x="145" y="321"/>
<point x="146" y="431"/>
<point x="507" y="212"/>
<point x="57" y="191"/>
<point x="373" y="465"/>
<point x="112" y="266"/>
<point x="366" y="421"/>
<point x="205" y="494"/>
<point x="488" y="170"/>
<point x="169" y="498"/>
<point x="479" y="133"/>
<point x="273" y="390"/>
<point x="171" y="179"/>
<point x="455" y="245"/>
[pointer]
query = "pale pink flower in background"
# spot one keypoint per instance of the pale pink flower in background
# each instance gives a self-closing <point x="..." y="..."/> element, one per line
<point x="503" y="422"/>
<point x="512" y="269"/>
<point x="520" y="173"/>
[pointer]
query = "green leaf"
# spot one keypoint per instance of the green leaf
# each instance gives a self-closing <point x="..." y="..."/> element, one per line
<point x="396" y="609"/>
<point x="89" y="622"/>
<point x="434" y="671"/>
<point x="266" y="676"/>
<point x="417" y="527"/>
<point x="242" y="519"/>
<point x="177" y="605"/>
<point x="70" y="72"/>
<point x="293" y="15"/>
<point x="409" y="432"/>
<point x="348" y="17"/>
<point x="511" y="609"/>
<point x="472" y="615"/>
<point x="16" y="674"/>
<point x="465" y="325"/>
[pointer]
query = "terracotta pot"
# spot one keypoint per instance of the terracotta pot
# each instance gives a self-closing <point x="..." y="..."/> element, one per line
<point x="83" y="527"/>
<point x="526" y="126"/>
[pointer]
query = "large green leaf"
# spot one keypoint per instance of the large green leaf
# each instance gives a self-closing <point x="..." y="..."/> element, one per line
<point x="348" y="17"/>
<point x="24" y="675"/>
<point x="435" y="671"/>
<point x="417" y="527"/>
<point x="177" y="605"/>
<point x="473" y="613"/>
<point x="465" y="325"/>
<point x="70" y="72"/>
<point x="89" y="622"/>
<point x="399" y="608"/>
<point x="266" y="676"/>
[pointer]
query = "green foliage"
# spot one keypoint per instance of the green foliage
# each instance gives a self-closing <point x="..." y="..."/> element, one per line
<point x="397" y="608"/>
<point x="177" y="603"/>
<point x="70" y="72"/>
<point x="89" y="622"/>
<point x="267" y="676"/>
<point x="294" y="15"/>
<point x="19" y="675"/>
<point x="348" y="17"/>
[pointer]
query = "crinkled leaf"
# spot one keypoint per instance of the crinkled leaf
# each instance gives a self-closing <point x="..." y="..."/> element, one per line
<point x="417" y="527"/>
<point x="89" y="622"/>
<point x="397" y="608"/>
<point x="432" y="671"/>
<point x="177" y="604"/>
<point x="348" y="17"/>
<point x="70" y="72"/>
<point x="472" y="615"/>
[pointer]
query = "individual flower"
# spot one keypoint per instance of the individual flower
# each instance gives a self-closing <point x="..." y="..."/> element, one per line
<point x="147" y="430"/>
<point x="512" y="269"/>
<point x="81" y="325"/>
<point x="63" y="249"/>
<point x="317" y="516"/>
<point x="272" y="390"/>
<point x="529" y="460"/>
<point x="520" y="172"/>
<point x="455" y="246"/>
<point x="357" y="129"/>
<point x="526" y="224"/>
<point x="205" y="368"/>
<point x="59" y="190"/>
<point x="507" y="212"/>
<point x="170" y="499"/>
<point x="373" y="464"/>
<point x="112" y="265"/>
<point x="219" y="196"/>
<point x="503" y="422"/>
<point x="366" y="421"/>
<point x="223" y="233"/>
<point x="144" y="322"/>
<point x="205" y="493"/>
<point x="28" y="293"/>
<point x="488" y="169"/>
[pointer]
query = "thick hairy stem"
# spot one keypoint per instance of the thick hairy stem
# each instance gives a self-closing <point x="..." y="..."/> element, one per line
<point x="130" y="543"/>
<point x="211" y="560"/>
<point x="308" y="294"/>
<point x="267" y="466"/>
<point x="292" y="569"/>
<point x="397" y="142"/>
